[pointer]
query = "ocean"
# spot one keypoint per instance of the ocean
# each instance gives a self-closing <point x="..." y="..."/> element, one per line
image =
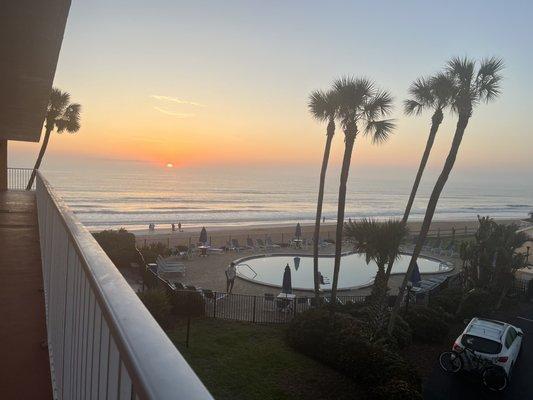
<point x="132" y="198"/>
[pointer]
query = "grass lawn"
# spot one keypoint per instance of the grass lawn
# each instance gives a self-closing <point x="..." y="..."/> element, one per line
<point x="245" y="361"/>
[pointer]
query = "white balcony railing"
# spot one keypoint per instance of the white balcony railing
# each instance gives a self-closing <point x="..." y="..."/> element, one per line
<point x="18" y="178"/>
<point x="103" y="343"/>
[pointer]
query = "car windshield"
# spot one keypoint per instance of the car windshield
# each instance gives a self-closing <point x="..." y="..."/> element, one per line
<point x="481" y="345"/>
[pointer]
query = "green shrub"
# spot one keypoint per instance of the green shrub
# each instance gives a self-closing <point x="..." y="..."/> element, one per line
<point x="477" y="303"/>
<point x="187" y="303"/>
<point x="158" y="303"/>
<point x="152" y="250"/>
<point x="427" y="324"/>
<point x="119" y="246"/>
<point x="447" y="299"/>
<point x="366" y="314"/>
<point x="341" y="344"/>
<point x="396" y="389"/>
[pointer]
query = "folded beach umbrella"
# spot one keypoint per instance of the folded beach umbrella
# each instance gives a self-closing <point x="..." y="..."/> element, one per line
<point x="415" y="276"/>
<point x="203" y="236"/>
<point x="296" y="263"/>
<point x="298" y="232"/>
<point x="286" y="287"/>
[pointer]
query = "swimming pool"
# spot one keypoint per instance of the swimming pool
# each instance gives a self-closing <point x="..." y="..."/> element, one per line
<point x="354" y="272"/>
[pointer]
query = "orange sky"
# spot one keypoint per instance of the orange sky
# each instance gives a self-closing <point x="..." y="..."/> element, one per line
<point x="157" y="87"/>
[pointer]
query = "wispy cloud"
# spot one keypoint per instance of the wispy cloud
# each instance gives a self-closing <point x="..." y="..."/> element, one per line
<point x="176" y="100"/>
<point x="174" y="114"/>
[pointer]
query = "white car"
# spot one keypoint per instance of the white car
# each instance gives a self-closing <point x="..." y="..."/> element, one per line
<point x="495" y="341"/>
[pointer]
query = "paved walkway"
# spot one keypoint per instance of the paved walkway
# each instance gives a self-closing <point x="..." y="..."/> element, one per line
<point x="24" y="363"/>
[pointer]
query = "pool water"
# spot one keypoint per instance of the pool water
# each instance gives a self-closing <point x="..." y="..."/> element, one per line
<point x="354" y="271"/>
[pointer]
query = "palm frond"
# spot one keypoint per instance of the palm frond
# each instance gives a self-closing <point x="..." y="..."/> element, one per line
<point x="323" y="105"/>
<point x="443" y="89"/>
<point x="489" y="78"/>
<point x="412" y="107"/>
<point x="379" y="130"/>
<point x="461" y="69"/>
<point x="421" y="91"/>
<point x="378" y="105"/>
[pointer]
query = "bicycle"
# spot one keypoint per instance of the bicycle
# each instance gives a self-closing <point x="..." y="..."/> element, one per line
<point x="493" y="376"/>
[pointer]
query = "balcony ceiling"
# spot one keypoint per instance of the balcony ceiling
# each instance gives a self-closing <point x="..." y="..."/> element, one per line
<point x="31" y="32"/>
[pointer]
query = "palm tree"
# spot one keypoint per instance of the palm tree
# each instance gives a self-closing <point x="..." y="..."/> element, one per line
<point x="471" y="87"/>
<point x="434" y="93"/>
<point x="322" y="106"/>
<point x="380" y="242"/>
<point x="62" y="116"/>
<point x="361" y="107"/>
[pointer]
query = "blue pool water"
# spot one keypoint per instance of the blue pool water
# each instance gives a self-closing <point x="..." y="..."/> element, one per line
<point x="354" y="270"/>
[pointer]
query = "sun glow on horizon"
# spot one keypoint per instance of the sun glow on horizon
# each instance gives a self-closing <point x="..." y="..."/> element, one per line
<point x="169" y="165"/>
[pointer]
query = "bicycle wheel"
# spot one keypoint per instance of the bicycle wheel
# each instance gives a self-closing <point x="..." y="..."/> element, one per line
<point x="451" y="362"/>
<point x="495" y="378"/>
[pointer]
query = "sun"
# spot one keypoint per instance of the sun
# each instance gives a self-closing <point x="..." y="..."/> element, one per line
<point x="170" y="165"/>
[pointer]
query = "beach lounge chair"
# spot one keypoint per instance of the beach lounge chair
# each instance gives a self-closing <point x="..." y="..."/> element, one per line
<point x="270" y="244"/>
<point x="164" y="266"/>
<point x="215" y="250"/>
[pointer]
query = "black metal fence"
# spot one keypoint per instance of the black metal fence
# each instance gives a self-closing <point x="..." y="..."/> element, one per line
<point x="265" y="309"/>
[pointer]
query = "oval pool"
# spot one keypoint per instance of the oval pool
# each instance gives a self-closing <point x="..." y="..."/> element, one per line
<point x="354" y="271"/>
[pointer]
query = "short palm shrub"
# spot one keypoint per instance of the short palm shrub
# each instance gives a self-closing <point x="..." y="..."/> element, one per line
<point x="158" y="303"/>
<point x="428" y="325"/>
<point x="477" y="303"/>
<point x="447" y="299"/>
<point x="340" y="342"/>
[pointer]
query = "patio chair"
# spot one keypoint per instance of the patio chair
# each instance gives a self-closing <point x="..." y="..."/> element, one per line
<point x="270" y="244"/>
<point x="236" y="246"/>
<point x="250" y="243"/>
<point x="260" y="244"/>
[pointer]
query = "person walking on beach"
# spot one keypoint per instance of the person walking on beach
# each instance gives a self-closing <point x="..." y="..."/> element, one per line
<point x="179" y="226"/>
<point x="323" y="219"/>
<point x="173" y="228"/>
<point x="231" y="273"/>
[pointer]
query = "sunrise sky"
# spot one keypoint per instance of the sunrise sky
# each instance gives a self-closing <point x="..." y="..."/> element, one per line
<point x="226" y="83"/>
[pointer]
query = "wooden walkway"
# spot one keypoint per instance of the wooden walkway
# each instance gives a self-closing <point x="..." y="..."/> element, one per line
<point x="24" y="363"/>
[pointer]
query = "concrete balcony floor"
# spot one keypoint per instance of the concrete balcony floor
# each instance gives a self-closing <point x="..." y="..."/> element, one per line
<point x="24" y="366"/>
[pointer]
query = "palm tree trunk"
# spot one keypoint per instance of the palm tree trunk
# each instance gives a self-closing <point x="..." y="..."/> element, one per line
<point x="40" y="157"/>
<point x="316" y="236"/>
<point x="349" y="144"/>
<point x="430" y="211"/>
<point x="436" y="120"/>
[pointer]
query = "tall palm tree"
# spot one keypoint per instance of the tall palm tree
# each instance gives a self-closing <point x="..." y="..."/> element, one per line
<point x="361" y="107"/>
<point x="60" y="115"/>
<point x="380" y="242"/>
<point x="471" y="88"/>
<point x="434" y="93"/>
<point x="323" y="106"/>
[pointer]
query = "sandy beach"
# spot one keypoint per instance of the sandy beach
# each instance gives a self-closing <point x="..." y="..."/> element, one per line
<point x="219" y="236"/>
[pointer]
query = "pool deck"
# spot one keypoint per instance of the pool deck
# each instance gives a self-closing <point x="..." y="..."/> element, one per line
<point x="209" y="273"/>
